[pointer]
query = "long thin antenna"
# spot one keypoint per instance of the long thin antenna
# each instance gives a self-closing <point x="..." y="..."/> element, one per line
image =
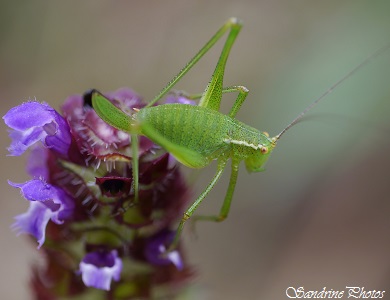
<point x="336" y="84"/>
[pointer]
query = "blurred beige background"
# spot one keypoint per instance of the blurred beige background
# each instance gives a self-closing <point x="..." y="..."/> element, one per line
<point x="319" y="216"/>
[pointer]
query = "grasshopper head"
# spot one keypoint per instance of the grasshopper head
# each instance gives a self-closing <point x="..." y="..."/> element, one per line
<point x="256" y="160"/>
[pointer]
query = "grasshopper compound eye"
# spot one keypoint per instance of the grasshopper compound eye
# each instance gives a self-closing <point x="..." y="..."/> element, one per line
<point x="264" y="149"/>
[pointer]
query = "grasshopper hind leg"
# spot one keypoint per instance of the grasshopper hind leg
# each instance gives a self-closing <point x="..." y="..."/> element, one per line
<point x="225" y="208"/>
<point x="224" y="211"/>
<point x="188" y="213"/>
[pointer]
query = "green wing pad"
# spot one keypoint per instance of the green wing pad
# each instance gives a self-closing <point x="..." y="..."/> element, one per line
<point x="185" y="156"/>
<point x="110" y="113"/>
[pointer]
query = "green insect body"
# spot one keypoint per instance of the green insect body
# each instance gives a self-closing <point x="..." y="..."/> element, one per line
<point x="197" y="135"/>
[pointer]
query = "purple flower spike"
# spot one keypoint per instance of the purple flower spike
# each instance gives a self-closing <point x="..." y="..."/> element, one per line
<point x="48" y="202"/>
<point x="156" y="247"/>
<point x="81" y="200"/>
<point x="32" y="122"/>
<point x="98" y="269"/>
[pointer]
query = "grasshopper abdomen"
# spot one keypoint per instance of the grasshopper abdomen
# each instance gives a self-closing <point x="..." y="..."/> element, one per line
<point x="194" y="128"/>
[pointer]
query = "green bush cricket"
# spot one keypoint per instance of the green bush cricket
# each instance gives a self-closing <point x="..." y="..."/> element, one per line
<point x="197" y="135"/>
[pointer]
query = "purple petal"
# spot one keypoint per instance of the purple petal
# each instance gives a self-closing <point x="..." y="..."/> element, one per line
<point x="36" y="190"/>
<point x="98" y="269"/>
<point x="155" y="251"/>
<point x="37" y="163"/>
<point x="47" y="202"/>
<point x="32" y="122"/>
<point x="34" y="221"/>
<point x="172" y="98"/>
<point x="28" y="115"/>
<point x="21" y="140"/>
<point x="125" y="96"/>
